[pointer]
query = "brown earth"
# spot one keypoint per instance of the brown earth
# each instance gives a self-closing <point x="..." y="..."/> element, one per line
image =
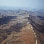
<point x="25" y="36"/>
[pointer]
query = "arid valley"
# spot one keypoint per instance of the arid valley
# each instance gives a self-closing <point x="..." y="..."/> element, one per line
<point x="21" y="27"/>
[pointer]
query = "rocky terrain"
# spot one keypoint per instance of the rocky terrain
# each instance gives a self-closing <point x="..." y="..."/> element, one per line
<point x="37" y="21"/>
<point x="16" y="27"/>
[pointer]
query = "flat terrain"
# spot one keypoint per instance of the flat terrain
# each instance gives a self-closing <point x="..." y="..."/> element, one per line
<point x="25" y="36"/>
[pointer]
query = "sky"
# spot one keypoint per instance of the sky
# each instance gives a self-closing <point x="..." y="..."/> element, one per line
<point x="30" y="4"/>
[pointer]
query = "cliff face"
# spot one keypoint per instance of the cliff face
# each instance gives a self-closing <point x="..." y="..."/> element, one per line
<point x="37" y="22"/>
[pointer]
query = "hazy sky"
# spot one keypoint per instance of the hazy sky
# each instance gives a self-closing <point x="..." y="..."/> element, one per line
<point x="32" y="4"/>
